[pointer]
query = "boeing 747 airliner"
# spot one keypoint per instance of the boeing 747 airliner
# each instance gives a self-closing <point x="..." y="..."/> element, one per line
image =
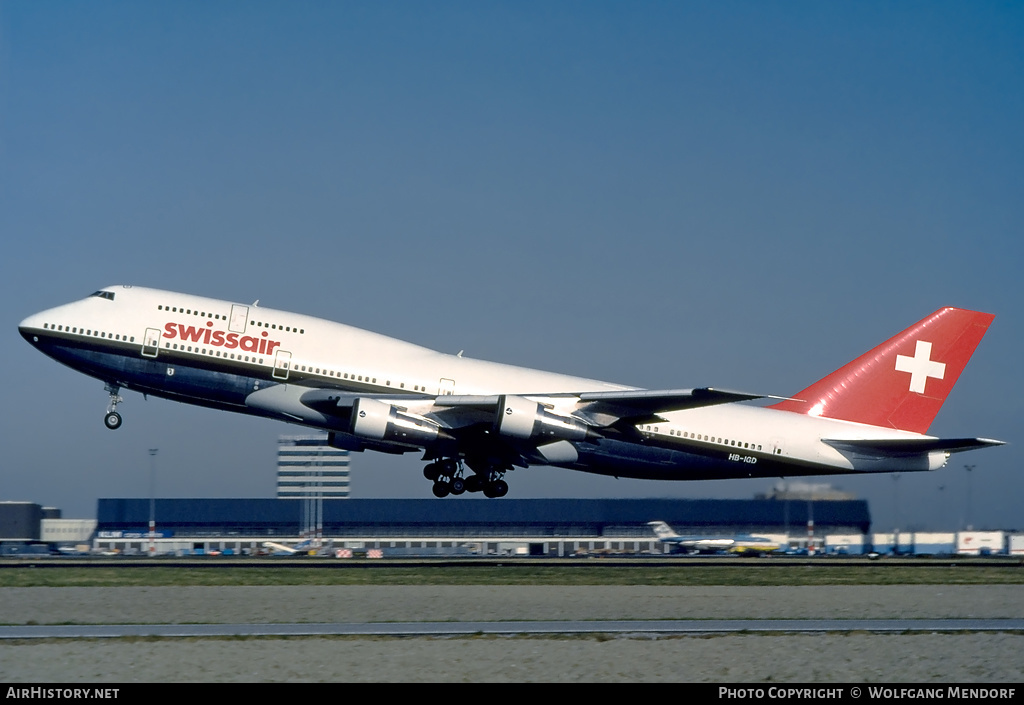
<point x="474" y="421"/>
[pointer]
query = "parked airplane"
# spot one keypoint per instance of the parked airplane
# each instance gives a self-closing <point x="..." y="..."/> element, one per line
<point x="300" y="547"/>
<point x="714" y="544"/>
<point x="477" y="420"/>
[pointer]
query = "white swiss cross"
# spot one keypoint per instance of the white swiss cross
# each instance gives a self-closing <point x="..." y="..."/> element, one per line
<point x="920" y="367"/>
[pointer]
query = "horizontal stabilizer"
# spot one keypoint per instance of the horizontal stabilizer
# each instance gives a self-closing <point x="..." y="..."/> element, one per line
<point x="894" y="447"/>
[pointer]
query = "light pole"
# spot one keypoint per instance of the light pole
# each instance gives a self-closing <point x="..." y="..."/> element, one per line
<point x="810" y="524"/>
<point x="967" y="518"/>
<point x="152" y="501"/>
<point x="785" y="511"/>
<point x="942" y="506"/>
<point x="896" y="513"/>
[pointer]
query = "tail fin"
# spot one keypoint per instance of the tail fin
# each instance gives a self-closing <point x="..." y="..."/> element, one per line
<point x="661" y="529"/>
<point x="903" y="382"/>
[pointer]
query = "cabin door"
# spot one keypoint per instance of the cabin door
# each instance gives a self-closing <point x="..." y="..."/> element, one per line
<point x="282" y="363"/>
<point x="151" y="342"/>
<point x="239" y="317"/>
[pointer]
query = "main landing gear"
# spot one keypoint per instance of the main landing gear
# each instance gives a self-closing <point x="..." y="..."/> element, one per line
<point x="448" y="478"/>
<point x="113" y="419"/>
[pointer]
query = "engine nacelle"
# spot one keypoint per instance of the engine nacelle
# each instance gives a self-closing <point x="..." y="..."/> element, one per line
<point x="521" y="418"/>
<point x="380" y="421"/>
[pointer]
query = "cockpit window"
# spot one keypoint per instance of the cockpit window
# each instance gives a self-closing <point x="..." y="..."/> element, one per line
<point x="103" y="294"/>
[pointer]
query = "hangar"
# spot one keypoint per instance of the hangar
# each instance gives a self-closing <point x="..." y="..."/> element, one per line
<point x="556" y="527"/>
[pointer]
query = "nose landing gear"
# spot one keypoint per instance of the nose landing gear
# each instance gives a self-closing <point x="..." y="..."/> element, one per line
<point x="113" y="419"/>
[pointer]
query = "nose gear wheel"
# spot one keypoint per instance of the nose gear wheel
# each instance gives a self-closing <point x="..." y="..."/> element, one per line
<point x="112" y="419"/>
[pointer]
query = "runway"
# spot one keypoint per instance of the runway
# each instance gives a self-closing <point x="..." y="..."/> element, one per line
<point x="651" y="628"/>
<point x="503" y="633"/>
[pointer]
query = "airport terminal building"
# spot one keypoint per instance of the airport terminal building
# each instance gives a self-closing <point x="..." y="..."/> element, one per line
<point x="551" y="527"/>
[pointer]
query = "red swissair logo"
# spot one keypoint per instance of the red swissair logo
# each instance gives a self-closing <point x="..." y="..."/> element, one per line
<point x="221" y="339"/>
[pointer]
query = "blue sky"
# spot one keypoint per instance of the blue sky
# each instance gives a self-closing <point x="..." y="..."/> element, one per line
<point x="745" y="195"/>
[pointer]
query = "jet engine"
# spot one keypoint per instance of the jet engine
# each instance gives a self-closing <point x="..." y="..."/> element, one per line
<point x="521" y="418"/>
<point x="380" y="421"/>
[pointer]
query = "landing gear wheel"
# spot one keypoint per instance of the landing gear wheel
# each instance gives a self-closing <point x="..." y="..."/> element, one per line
<point x="458" y="485"/>
<point x="112" y="420"/>
<point x="474" y="483"/>
<point x="498" y="488"/>
<point x="432" y="471"/>
<point x="441" y="489"/>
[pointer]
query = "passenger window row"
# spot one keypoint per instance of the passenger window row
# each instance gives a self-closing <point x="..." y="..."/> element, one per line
<point x="213" y="352"/>
<point x="709" y="439"/>
<point x="352" y="376"/>
<point x="190" y="312"/>
<point x="219" y="317"/>
<point x="88" y="331"/>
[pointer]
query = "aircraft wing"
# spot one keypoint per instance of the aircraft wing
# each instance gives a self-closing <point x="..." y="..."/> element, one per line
<point x="640" y="404"/>
<point x="513" y="425"/>
<point x="703" y="541"/>
<point x="605" y="409"/>
<point x="645" y="406"/>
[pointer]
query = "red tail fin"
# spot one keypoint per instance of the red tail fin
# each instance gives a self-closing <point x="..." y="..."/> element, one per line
<point x="903" y="382"/>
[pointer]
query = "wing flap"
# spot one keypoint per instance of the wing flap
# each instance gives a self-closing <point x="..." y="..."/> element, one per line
<point x="640" y="406"/>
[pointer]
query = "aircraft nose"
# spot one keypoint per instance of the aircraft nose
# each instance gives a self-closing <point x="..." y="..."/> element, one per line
<point x="30" y="326"/>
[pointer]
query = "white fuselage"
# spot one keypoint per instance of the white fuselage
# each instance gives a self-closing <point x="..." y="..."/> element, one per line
<point x="232" y="356"/>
